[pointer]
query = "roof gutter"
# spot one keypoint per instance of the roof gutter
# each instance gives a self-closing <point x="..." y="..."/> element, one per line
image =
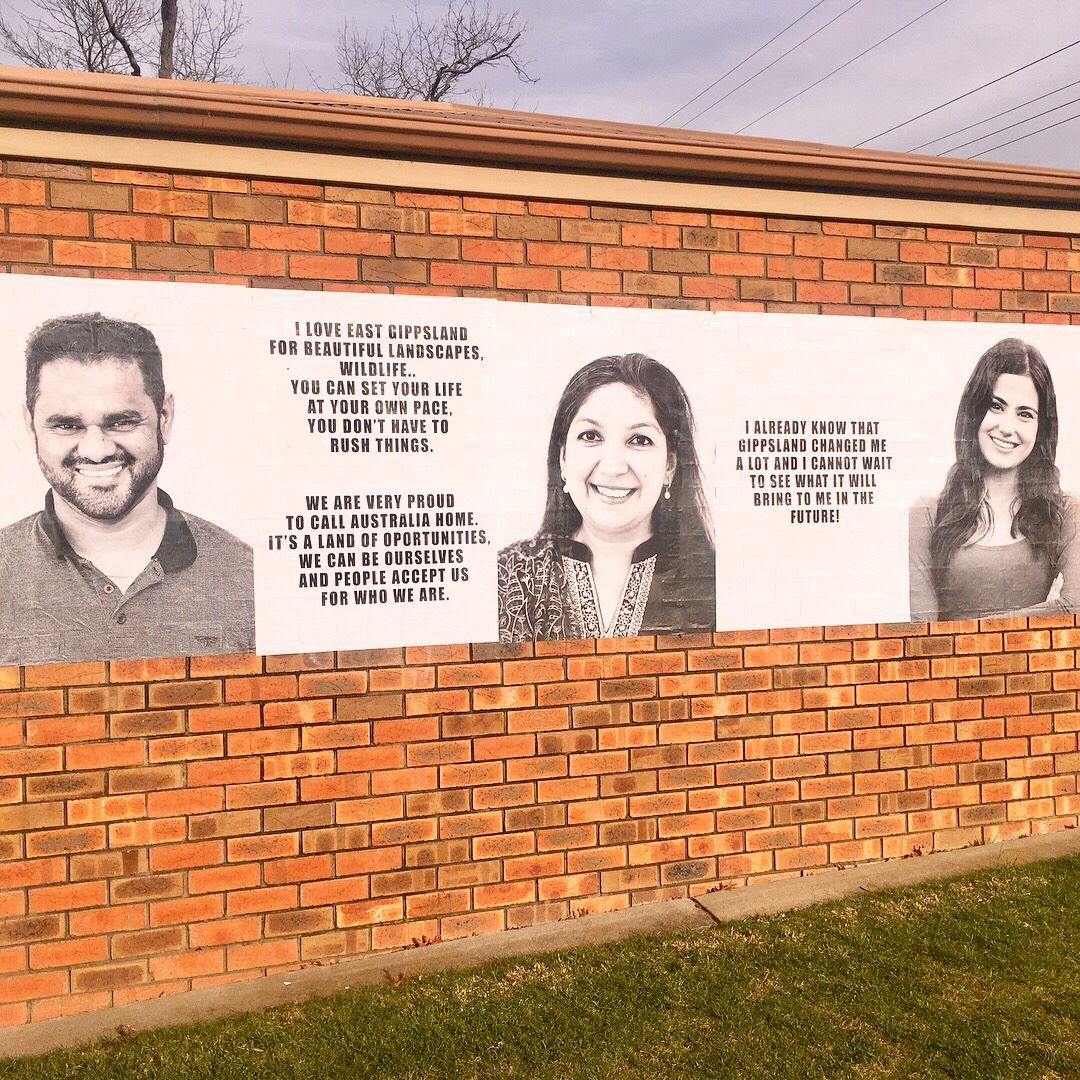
<point x="450" y="133"/>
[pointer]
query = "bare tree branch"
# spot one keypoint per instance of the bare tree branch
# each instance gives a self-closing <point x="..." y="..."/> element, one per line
<point x="119" y="38"/>
<point x="283" y="81"/>
<point x="75" y="34"/>
<point x="208" y="41"/>
<point x="190" y="39"/>
<point x="429" y="59"/>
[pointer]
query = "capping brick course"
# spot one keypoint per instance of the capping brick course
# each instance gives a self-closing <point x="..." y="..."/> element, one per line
<point x="179" y="823"/>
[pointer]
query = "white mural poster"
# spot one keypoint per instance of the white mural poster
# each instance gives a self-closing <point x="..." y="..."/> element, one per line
<point x="194" y="469"/>
<point x="608" y="431"/>
<point x="376" y="498"/>
<point x="883" y="470"/>
<point x="127" y="420"/>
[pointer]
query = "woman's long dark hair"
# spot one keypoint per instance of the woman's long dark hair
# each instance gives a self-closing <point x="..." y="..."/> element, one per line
<point x="1040" y="506"/>
<point x="681" y="523"/>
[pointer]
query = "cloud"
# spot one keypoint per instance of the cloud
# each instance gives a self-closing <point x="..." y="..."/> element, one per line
<point x="637" y="60"/>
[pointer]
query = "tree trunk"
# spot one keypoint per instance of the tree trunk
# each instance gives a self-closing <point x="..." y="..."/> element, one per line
<point x="168" y="34"/>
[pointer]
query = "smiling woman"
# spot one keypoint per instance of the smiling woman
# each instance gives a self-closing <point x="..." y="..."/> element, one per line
<point x="625" y="547"/>
<point x="1002" y="538"/>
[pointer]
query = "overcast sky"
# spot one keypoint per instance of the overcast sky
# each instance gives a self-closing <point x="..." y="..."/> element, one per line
<point x="640" y="60"/>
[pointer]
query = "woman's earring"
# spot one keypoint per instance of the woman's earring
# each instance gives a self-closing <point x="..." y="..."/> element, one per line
<point x="667" y="490"/>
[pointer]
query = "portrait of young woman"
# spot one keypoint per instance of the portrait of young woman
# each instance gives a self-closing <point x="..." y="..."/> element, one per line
<point x="1002" y="537"/>
<point x="625" y="546"/>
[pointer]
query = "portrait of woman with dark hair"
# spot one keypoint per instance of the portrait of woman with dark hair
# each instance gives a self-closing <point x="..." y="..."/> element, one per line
<point x="1001" y="538"/>
<point x="625" y="546"/>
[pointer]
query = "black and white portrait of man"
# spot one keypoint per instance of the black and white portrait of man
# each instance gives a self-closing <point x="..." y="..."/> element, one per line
<point x="109" y="567"/>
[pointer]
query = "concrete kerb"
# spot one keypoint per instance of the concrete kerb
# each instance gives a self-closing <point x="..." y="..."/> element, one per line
<point x="765" y="899"/>
<point x="772" y="897"/>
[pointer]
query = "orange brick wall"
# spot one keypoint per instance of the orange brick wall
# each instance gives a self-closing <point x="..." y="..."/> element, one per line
<point x="171" y="824"/>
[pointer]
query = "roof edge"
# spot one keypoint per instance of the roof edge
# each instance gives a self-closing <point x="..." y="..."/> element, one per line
<point x="452" y="133"/>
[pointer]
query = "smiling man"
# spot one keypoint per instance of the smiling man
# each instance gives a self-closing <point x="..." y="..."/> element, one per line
<point x="110" y="568"/>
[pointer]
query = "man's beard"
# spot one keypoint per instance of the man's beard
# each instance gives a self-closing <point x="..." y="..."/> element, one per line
<point x="105" y="503"/>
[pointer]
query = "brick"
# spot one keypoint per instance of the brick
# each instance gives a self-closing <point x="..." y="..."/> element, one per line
<point x="111" y="808"/>
<point x="64" y="729"/>
<point x="325" y="267"/>
<point x="522" y="227"/>
<point x="794" y="225"/>
<point x="189" y="182"/>
<point x="81" y="196"/>
<point x="549" y="254"/>
<point x="129" y="176"/>
<point x="333" y="215"/>
<point x="25" y="192"/>
<point x="186" y="748"/>
<point x="366" y="243"/>
<point x="394" y="270"/>
<point x="65" y="840"/>
<point x="166" y="694"/>
<point x="225" y="664"/>
<point x="49" y="222"/>
<point x="461" y="224"/>
<point x="146" y="942"/>
<point x="461" y="274"/>
<point x="308" y="661"/>
<point x="23" y="250"/>
<point x="91" y="253"/>
<point x="192" y="232"/>
<point x="259" y="208"/>
<point x="652" y="236"/>
<point x="651" y="284"/>
<point x="392" y="219"/>
<point x="146" y="670"/>
<point x="472" y="249"/>
<point x="135" y="724"/>
<point x="148" y="229"/>
<point x="249" y="263"/>
<point x="64" y="786"/>
<point x="262" y="955"/>
<point x="263" y="688"/>
<point x="710" y="239"/>
<point x="513" y="277"/>
<point x="271" y="793"/>
<point x="750" y="289"/>
<point x="282" y="237"/>
<point x="30" y="928"/>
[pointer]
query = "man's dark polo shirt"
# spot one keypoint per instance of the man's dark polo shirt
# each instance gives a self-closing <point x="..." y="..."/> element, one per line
<point x="195" y="596"/>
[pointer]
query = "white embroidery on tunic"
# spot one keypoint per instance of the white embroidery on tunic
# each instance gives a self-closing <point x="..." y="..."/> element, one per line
<point x="585" y="609"/>
<point x="632" y="609"/>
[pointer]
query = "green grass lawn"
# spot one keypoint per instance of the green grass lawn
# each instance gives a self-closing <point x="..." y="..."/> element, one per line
<point x="977" y="977"/>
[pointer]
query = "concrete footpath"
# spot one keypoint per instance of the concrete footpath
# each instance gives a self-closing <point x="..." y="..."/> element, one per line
<point x="766" y="899"/>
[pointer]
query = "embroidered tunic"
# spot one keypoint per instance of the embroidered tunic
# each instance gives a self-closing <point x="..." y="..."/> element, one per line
<point x="547" y="592"/>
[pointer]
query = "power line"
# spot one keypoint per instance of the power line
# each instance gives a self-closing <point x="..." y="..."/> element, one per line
<point x="1008" y="127"/>
<point x="847" y="63"/>
<point x="987" y="119"/>
<point x="731" y="71"/>
<point x="1021" y="138"/>
<point x="968" y="93"/>
<point x="772" y="63"/>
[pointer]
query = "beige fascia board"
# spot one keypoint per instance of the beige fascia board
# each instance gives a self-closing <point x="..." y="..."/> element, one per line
<point x="246" y="161"/>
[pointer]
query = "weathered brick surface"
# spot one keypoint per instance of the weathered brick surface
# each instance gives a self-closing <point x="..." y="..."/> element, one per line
<point x="167" y="824"/>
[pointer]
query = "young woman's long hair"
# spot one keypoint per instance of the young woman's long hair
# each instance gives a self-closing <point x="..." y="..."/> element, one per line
<point x="1040" y="507"/>
<point x="681" y="523"/>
